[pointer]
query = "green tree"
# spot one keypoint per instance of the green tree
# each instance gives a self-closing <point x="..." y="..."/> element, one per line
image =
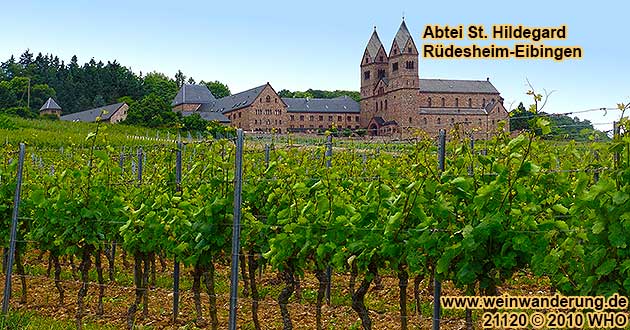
<point x="151" y="111"/>
<point x="160" y="85"/>
<point x="217" y="88"/>
<point x="180" y="78"/>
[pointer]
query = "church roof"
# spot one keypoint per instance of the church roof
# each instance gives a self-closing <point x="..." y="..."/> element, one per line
<point x="456" y="86"/>
<point x="195" y="94"/>
<point x="50" y="104"/>
<point x="374" y="45"/>
<point x="402" y="36"/>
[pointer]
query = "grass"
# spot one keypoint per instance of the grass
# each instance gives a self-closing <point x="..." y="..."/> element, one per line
<point x="32" y="321"/>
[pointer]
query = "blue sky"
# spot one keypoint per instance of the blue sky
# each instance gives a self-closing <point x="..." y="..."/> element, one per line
<point x="318" y="44"/>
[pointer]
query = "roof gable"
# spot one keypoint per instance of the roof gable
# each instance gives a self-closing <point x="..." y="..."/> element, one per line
<point x="50" y="104"/>
<point x="402" y="37"/>
<point x="374" y="45"/>
<point x="195" y="94"/>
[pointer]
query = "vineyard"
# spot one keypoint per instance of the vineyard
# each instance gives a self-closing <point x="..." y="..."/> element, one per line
<point x="123" y="227"/>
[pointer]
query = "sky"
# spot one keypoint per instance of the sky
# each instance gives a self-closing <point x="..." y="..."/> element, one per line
<point x="298" y="45"/>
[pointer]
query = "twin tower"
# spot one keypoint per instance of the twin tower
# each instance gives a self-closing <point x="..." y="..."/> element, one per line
<point x="397" y="69"/>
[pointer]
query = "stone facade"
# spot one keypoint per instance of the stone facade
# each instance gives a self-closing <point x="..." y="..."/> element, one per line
<point x="392" y="94"/>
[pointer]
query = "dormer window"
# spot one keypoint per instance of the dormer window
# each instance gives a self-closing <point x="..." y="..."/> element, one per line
<point x="409" y="49"/>
<point x="381" y="58"/>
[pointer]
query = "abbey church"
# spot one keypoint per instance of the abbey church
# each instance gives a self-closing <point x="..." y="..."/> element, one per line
<point x="395" y="99"/>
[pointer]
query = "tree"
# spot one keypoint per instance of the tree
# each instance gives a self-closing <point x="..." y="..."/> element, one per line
<point x="194" y="122"/>
<point x="519" y="118"/>
<point x="151" y="111"/>
<point x="180" y="78"/>
<point x="217" y="88"/>
<point x="160" y="85"/>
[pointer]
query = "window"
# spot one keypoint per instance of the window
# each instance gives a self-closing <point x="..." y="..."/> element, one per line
<point x="280" y="121"/>
<point x="479" y="121"/>
<point x="366" y="60"/>
<point x="457" y="101"/>
<point x="483" y="104"/>
<point x="395" y="51"/>
<point x="268" y="121"/>
<point x="410" y="65"/>
<point x="408" y="50"/>
<point x="443" y="102"/>
<point x="470" y="102"/>
<point x="356" y="118"/>
<point x="424" y="120"/>
<point x="239" y="115"/>
<point x="376" y="106"/>
<point x="385" y="104"/>
<point x="261" y="100"/>
<point x="292" y="117"/>
<point x="330" y="118"/>
<point x="255" y="121"/>
<point x="381" y="73"/>
<point x="409" y="120"/>
<point x="321" y="118"/>
<point x="381" y="58"/>
<point x="268" y="98"/>
<point x="438" y="120"/>
<point x="301" y="117"/>
<point x="276" y="100"/>
<point x="366" y="75"/>
<point x="339" y="118"/>
<point x="381" y="104"/>
<point x="428" y="101"/>
<point x="311" y="118"/>
<point x="348" y="118"/>
<point x="394" y="66"/>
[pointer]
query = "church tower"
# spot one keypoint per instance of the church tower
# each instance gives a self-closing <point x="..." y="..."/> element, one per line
<point x="403" y="61"/>
<point x="374" y="68"/>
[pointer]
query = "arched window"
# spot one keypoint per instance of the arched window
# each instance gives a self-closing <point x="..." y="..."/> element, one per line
<point x="439" y="121"/>
<point x="470" y="102"/>
<point x="410" y="120"/>
<point x="443" y="102"/>
<point x="376" y="106"/>
<point x="385" y="104"/>
<point x="424" y="120"/>
<point x="268" y="98"/>
<point x="457" y="101"/>
<point x="429" y="102"/>
<point x="381" y="104"/>
<point x="483" y="103"/>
